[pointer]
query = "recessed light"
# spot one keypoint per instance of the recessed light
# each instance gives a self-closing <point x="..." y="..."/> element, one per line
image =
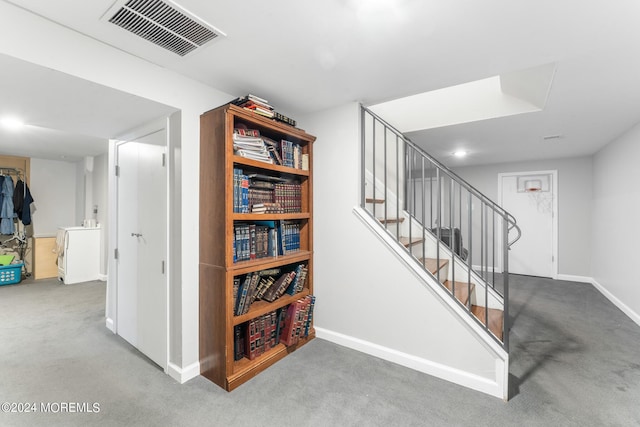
<point x="12" y="123"/>
<point x="460" y="153"/>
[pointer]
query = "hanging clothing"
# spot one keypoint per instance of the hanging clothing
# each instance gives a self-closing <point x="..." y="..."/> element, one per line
<point x="6" y="209"/>
<point x="22" y="202"/>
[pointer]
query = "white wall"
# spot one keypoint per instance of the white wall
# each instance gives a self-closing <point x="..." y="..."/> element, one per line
<point x="366" y="297"/>
<point x="616" y="229"/>
<point x="100" y="197"/>
<point x="53" y="187"/>
<point x="82" y="192"/>
<point x="67" y="51"/>
<point x="574" y="204"/>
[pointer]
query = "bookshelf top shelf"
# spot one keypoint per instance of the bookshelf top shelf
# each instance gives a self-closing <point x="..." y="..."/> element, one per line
<point x="270" y="123"/>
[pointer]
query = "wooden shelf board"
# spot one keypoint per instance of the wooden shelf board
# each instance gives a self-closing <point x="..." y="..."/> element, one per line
<point x="258" y="308"/>
<point x="269" y="262"/>
<point x="269" y="216"/>
<point x="269" y="166"/>
<point x="245" y="369"/>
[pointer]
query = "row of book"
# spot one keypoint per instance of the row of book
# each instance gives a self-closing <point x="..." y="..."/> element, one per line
<point x="266" y="285"/>
<point x="286" y="325"/>
<point x="261" y="239"/>
<point x="261" y="106"/>
<point x="270" y="194"/>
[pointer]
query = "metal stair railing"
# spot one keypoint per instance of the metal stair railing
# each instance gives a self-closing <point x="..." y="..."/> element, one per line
<point x="446" y="218"/>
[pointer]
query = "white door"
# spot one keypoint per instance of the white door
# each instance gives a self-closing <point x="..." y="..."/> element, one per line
<point x="531" y="198"/>
<point x="142" y="207"/>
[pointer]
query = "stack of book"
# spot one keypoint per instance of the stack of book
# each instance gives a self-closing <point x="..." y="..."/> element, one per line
<point x="255" y="104"/>
<point x="261" y="106"/>
<point x="266" y="208"/>
<point x="285" y="325"/>
<point x="249" y="144"/>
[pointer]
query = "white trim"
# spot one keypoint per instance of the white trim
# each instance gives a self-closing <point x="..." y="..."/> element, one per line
<point x="182" y="375"/>
<point x="617" y="302"/>
<point x="110" y="325"/>
<point x="573" y="278"/>
<point x="554" y="220"/>
<point x="496" y="387"/>
<point x="102" y="277"/>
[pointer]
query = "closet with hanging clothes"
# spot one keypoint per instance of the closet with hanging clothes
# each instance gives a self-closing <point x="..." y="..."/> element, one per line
<point x="15" y="216"/>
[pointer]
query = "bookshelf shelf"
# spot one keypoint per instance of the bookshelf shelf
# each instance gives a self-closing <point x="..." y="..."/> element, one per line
<point x="219" y="241"/>
<point x="259" y="308"/>
<point x="268" y="166"/>
<point x="243" y="267"/>
<point x="269" y="217"/>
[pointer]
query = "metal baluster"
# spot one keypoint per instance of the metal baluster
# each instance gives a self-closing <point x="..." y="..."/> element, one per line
<point x="424" y="237"/>
<point x="397" y="186"/>
<point x="470" y="220"/>
<point x="493" y="248"/>
<point x="412" y="203"/>
<point x="482" y="241"/>
<point x="439" y="223"/>
<point x="374" y="166"/>
<point x="451" y="240"/>
<point x="385" y="178"/>
<point x="363" y="165"/>
<point x="486" y="287"/>
<point x="505" y="292"/>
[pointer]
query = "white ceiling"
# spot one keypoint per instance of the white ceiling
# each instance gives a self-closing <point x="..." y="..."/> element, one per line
<point x="308" y="56"/>
<point x="67" y="118"/>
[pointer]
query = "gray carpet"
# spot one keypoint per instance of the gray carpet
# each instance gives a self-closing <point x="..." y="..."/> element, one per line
<point x="575" y="361"/>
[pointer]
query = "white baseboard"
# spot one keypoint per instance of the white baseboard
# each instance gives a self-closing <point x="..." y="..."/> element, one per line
<point x="622" y="306"/>
<point x="573" y="278"/>
<point x="102" y="277"/>
<point x="494" y="388"/>
<point x="182" y="375"/>
<point x="110" y="325"/>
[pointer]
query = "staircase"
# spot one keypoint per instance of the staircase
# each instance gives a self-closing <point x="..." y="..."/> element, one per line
<point x="453" y="232"/>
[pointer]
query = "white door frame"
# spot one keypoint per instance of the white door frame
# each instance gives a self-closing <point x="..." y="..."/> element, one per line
<point x="554" y="219"/>
<point x="112" y="282"/>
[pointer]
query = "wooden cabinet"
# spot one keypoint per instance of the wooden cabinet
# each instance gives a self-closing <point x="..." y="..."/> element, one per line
<point x="217" y="269"/>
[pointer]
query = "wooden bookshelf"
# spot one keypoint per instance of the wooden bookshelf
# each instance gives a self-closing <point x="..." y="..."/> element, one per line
<point x="217" y="268"/>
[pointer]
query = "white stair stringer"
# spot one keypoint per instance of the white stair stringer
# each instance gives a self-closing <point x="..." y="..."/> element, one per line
<point x="498" y="386"/>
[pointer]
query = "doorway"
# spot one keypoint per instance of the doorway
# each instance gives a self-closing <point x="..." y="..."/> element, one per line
<point x="532" y="198"/>
<point x="141" y="235"/>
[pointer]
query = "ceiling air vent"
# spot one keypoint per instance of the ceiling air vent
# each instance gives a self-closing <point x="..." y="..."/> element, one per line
<point x="165" y="24"/>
